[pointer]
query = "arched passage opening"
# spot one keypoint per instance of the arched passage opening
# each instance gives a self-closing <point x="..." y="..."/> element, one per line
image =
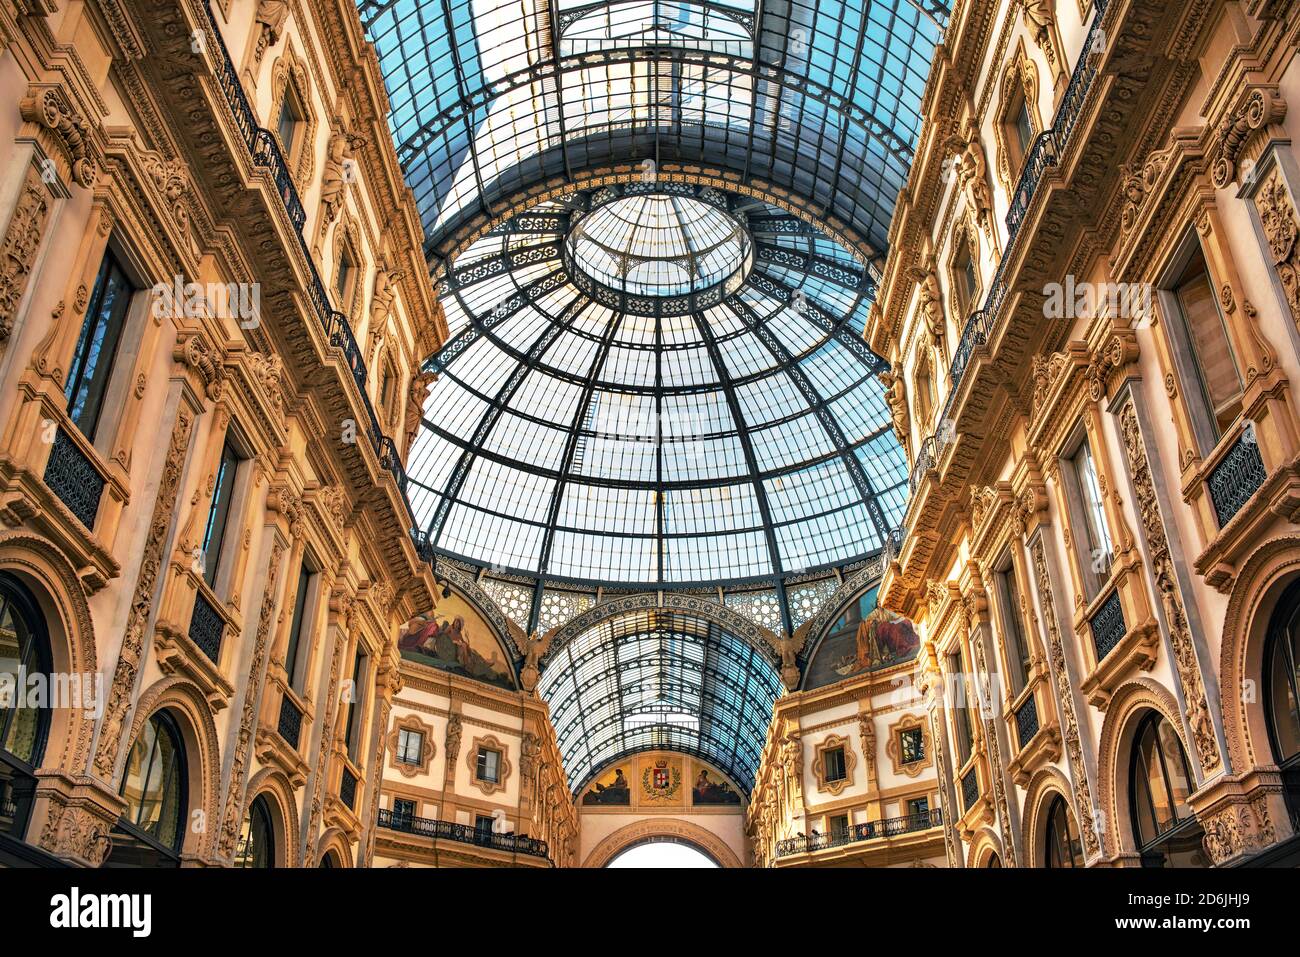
<point x="656" y="852"/>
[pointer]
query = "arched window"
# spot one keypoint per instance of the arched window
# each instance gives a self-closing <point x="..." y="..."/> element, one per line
<point x="994" y="862"/>
<point x="24" y="717"/>
<point x="1282" y="690"/>
<point x="1164" y="825"/>
<point x="152" y="826"/>
<point x="256" y="847"/>
<point x="1062" y="845"/>
<point x="330" y="860"/>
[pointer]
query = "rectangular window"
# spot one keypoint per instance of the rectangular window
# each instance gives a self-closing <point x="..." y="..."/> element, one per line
<point x="840" y="827"/>
<point x="1218" y="377"/>
<point x="833" y="764"/>
<point x="918" y="806"/>
<point x="214" y="534"/>
<point x="101" y="333"/>
<point x="343" y="282"/>
<point x="961" y="708"/>
<point x="300" y="623"/>
<point x="963" y="269"/>
<point x="483" y="827"/>
<point x="410" y="746"/>
<point x="911" y="745"/>
<point x="1013" y="634"/>
<point x="1096" y="550"/>
<point x="403" y="811"/>
<point x="290" y="117"/>
<point x="1024" y="129"/>
<point x="489" y="765"/>
<point x="353" y="729"/>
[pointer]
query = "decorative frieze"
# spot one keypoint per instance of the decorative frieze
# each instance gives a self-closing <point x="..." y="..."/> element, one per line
<point x="22" y="240"/>
<point x="1277" y="216"/>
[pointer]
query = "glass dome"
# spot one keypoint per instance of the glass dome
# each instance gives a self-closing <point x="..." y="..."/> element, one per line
<point x="660" y="245"/>
<point x="730" y="435"/>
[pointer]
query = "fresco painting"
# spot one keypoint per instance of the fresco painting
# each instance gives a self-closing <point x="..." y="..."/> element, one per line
<point x="865" y="638"/>
<point x="454" y="638"/>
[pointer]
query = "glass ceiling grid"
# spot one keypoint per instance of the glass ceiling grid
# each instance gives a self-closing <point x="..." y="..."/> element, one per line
<point x="659" y="680"/>
<point x="827" y="105"/>
<point x="655" y="459"/>
<point x="632" y="438"/>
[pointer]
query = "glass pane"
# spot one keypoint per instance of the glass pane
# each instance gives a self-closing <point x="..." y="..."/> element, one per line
<point x="1208" y="336"/>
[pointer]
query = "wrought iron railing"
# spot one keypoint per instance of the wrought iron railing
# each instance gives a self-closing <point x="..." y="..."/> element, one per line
<point x="348" y="788"/>
<point x="1027" y="720"/>
<point x="264" y="150"/>
<point x="290" y="723"/>
<point x="1045" y="152"/>
<point x="207" y="628"/>
<point x="1236" y="478"/>
<point x="970" y="788"/>
<point x="1107" y="625"/>
<point x="71" y="476"/>
<point x="464" y="833"/>
<point x="856" y="833"/>
<point x="925" y="459"/>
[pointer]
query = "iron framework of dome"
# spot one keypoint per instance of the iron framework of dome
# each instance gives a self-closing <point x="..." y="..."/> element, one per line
<point x="733" y="432"/>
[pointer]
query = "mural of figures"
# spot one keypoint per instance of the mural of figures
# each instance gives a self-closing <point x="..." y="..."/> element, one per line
<point x="865" y="638"/>
<point x="609" y="789"/>
<point x="453" y="638"/>
<point x="711" y="790"/>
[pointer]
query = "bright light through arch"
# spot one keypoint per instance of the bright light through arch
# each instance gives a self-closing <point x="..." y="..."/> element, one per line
<point x="662" y="853"/>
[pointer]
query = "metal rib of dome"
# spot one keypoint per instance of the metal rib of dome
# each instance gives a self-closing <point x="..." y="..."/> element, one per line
<point x="818" y="97"/>
<point x="723" y="436"/>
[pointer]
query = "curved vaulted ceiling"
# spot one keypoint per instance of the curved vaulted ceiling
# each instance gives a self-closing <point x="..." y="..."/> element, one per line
<point x="659" y="680"/>
<point x="817" y="97"/>
<point x="656" y="375"/>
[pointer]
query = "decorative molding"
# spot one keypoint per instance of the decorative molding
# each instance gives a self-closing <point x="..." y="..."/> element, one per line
<point x="18" y="249"/>
<point x="410" y="722"/>
<point x="492" y="743"/>
<point x="830" y="743"/>
<point x="893" y="747"/>
<point x="1281" y="226"/>
<point x="231" y="820"/>
<point x="128" y="663"/>
<point x="1165" y="579"/>
<point x="1088" y="827"/>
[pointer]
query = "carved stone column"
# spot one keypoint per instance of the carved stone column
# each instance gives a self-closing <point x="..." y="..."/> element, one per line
<point x="995" y="729"/>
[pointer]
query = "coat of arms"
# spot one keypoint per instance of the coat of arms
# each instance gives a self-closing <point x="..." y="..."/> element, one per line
<point x="661" y="781"/>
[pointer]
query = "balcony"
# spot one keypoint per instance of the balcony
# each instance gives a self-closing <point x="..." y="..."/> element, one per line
<point x="857" y="833"/>
<point x="1236" y="478"/>
<point x="290" y="724"/>
<point x="462" y="833"/>
<point x="72" y="476"/>
<point x="348" y="789"/>
<point x="1027" y="721"/>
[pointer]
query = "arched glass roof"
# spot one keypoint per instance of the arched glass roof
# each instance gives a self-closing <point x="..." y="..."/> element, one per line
<point x="659" y="680"/>
<point x="580" y="433"/>
<point x="819" y="97"/>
